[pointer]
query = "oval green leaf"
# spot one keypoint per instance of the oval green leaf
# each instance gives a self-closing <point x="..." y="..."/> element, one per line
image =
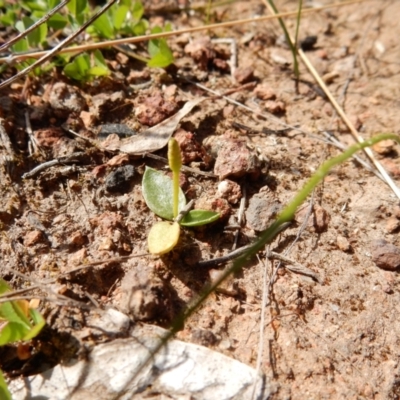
<point x="158" y="193"/>
<point x="163" y="237"/>
<point x="199" y="217"/>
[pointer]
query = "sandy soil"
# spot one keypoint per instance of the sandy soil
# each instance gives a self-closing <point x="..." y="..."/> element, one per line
<point x="335" y="340"/>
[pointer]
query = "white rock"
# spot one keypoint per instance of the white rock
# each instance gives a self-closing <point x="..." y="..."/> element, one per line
<point x="115" y="370"/>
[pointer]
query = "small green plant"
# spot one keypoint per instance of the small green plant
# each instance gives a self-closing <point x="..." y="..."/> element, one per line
<point x="17" y="322"/>
<point x="165" y="198"/>
<point x="124" y="19"/>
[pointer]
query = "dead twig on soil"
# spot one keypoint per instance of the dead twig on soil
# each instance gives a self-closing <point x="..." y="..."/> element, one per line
<point x="72" y="158"/>
<point x="290" y="264"/>
<point x="33" y="145"/>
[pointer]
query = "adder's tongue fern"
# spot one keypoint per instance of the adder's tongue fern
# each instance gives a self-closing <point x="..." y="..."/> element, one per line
<point x="175" y="163"/>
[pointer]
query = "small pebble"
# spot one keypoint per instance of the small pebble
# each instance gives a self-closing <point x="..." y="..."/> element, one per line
<point x="342" y="243"/>
<point x="392" y="225"/>
<point x="385" y="255"/>
<point x="119" y="180"/>
<point x="32" y="238"/>
<point x="321" y="219"/>
<point x="244" y="75"/>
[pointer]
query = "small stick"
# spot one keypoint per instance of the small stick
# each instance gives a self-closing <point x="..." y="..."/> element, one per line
<point x="240" y="216"/>
<point x="233" y="60"/>
<point x="72" y="158"/>
<point x="184" y="211"/>
<point x="32" y="138"/>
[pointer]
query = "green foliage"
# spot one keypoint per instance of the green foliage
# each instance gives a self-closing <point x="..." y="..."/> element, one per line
<point x="161" y="54"/>
<point x="158" y="193"/>
<point x="122" y="19"/>
<point x="165" y="198"/>
<point x="22" y="322"/>
<point x="199" y="217"/>
<point x="84" y="67"/>
<point x="4" y="392"/>
<point x="17" y="322"/>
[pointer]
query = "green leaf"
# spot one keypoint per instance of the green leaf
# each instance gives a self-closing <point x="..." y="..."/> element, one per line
<point x="37" y="36"/>
<point x="158" y="193"/>
<point x="97" y="71"/>
<point x="11" y="311"/>
<point x="104" y="26"/>
<point x="137" y="10"/>
<point x="4" y="392"/>
<point x="140" y="28"/>
<point x="163" y="58"/>
<point x="8" y="19"/>
<point x="3" y="286"/>
<point x="39" y="323"/>
<point x="154" y="45"/>
<point x="52" y="3"/>
<point x="99" y="60"/>
<point x="21" y="46"/>
<point x="119" y="16"/>
<point x="163" y="237"/>
<point x="12" y="332"/>
<point x="199" y="217"/>
<point x="57" y="22"/>
<point x="78" y="68"/>
<point x="34" y="5"/>
<point x="77" y="7"/>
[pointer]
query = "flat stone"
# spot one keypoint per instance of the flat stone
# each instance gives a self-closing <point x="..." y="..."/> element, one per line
<point x="385" y="255"/>
<point x="119" y="180"/>
<point x="235" y="160"/>
<point x="262" y="209"/>
<point x="125" y="369"/>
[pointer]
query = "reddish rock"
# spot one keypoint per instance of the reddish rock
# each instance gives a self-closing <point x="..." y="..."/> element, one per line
<point x="65" y="99"/>
<point x="235" y="159"/>
<point x="392" y="167"/>
<point x="104" y="104"/>
<point x="202" y="51"/>
<point x="392" y="225"/>
<point x="49" y="137"/>
<point x="244" y="75"/>
<point x="221" y="64"/>
<point x="144" y="295"/>
<point x="342" y="243"/>
<point x="118" y="160"/>
<point x="275" y="107"/>
<point x="385" y="255"/>
<point x="230" y="191"/>
<point x="384" y="147"/>
<point x="191" y="149"/>
<point x="107" y="222"/>
<point x="75" y="259"/>
<point x="153" y="109"/>
<point x="32" y="238"/>
<point x="77" y="238"/>
<point x="137" y="77"/>
<point x="321" y="219"/>
<point x="218" y="205"/>
<point x="264" y="92"/>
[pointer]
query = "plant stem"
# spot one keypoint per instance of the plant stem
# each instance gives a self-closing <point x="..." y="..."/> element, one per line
<point x="175" y="163"/>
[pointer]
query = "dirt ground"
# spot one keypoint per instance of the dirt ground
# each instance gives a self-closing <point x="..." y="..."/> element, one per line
<point x="333" y="339"/>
